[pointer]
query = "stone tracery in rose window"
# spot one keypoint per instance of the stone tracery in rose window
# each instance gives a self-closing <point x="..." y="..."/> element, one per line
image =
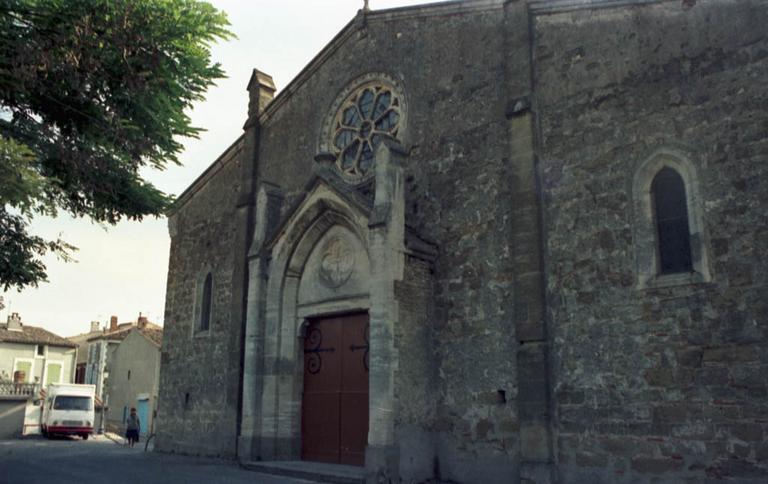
<point x="370" y="114"/>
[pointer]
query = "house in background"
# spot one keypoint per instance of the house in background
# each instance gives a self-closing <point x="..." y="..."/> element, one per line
<point x="100" y="348"/>
<point x="102" y="356"/>
<point x="30" y="359"/>
<point x="81" y="340"/>
<point x="29" y="354"/>
<point x="134" y="375"/>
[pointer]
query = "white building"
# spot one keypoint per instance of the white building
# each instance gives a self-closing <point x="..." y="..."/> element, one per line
<point x="33" y="355"/>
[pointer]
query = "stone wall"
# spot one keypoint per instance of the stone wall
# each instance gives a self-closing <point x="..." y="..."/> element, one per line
<point x="200" y="371"/>
<point x="651" y="382"/>
<point x="457" y="193"/>
<point x="663" y="384"/>
<point x="416" y="394"/>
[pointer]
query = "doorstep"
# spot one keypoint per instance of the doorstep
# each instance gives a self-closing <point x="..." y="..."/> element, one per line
<point x="312" y="471"/>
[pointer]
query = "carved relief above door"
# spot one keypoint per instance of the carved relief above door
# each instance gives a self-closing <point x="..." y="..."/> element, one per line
<point x="337" y="262"/>
<point x="337" y="268"/>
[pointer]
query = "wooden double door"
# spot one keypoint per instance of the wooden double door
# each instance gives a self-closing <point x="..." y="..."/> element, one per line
<point x="334" y="417"/>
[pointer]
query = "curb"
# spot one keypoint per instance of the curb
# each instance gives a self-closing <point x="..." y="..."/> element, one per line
<point x="114" y="438"/>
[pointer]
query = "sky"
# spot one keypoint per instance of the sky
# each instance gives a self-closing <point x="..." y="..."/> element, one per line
<point x="121" y="270"/>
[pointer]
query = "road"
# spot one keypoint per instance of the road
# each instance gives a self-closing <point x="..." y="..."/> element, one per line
<point x="71" y="460"/>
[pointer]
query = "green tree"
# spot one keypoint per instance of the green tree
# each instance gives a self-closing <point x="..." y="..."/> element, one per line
<point x="91" y="91"/>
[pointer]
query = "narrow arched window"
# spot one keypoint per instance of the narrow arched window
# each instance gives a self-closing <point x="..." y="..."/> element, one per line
<point x="205" y="309"/>
<point x="672" y="229"/>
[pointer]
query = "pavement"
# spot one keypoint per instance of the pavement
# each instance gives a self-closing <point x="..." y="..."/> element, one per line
<point x="120" y="440"/>
<point x="101" y="458"/>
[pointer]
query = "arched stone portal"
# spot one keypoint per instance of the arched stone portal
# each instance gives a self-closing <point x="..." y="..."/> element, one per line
<point x="335" y="255"/>
<point x="320" y="267"/>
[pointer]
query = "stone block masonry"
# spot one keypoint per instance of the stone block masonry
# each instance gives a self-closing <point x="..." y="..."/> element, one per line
<point x="521" y="327"/>
<point x="655" y="384"/>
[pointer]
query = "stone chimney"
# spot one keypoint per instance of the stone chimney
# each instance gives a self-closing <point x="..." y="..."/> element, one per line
<point x="112" y="323"/>
<point x="95" y="326"/>
<point x="261" y="90"/>
<point x="142" y="322"/>
<point x="14" y="322"/>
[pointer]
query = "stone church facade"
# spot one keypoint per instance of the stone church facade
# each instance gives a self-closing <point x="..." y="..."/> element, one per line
<point x="488" y="241"/>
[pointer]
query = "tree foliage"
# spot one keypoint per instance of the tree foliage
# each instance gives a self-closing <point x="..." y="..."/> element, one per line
<point x="91" y="91"/>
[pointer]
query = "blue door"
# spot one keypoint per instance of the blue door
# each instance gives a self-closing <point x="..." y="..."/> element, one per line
<point x="142" y="409"/>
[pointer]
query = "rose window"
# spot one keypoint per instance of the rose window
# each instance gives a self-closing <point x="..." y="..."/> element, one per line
<point x="369" y="115"/>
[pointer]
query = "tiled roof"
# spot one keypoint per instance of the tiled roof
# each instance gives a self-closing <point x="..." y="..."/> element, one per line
<point x="34" y="335"/>
<point x="122" y="332"/>
<point x="155" y="335"/>
<point x="83" y="337"/>
<point x="119" y="334"/>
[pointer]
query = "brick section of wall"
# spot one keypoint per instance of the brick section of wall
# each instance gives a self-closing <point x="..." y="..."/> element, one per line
<point x="667" y="384"/>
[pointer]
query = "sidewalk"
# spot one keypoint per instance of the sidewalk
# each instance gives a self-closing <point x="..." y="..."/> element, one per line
<point x="120" y="440"/>
<point x="115" y="438"/>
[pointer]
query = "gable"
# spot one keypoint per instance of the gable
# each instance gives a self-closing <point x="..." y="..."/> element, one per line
<point x="323" y="192"/>
<point x="398" y="48"/>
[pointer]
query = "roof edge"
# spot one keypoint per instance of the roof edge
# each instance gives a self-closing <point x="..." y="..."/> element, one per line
<point x="544" y="7"/>
<point x="537" y="7"/>
<point x="60" y="340"/>
<point x="206" y="175"/>
<point x="146" y="337"/>
<point x="359" y="20"/>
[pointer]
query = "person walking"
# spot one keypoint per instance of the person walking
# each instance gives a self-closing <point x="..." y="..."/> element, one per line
<point x="132" y="427"/>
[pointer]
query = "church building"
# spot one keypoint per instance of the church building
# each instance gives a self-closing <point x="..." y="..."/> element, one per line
<point x="487" y="241"/>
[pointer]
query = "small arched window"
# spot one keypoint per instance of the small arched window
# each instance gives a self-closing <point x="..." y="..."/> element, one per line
<point x="671" y="217"/>
<point x="671" y="244"/>
<point x="205" y="310"/>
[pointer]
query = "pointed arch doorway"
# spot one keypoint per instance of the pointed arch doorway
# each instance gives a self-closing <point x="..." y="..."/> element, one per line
<point x="334" y="423"/>
<point x="324" y="261"/>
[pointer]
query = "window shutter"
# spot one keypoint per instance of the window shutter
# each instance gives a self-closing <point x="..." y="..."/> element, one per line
<point x="53" y="374"/>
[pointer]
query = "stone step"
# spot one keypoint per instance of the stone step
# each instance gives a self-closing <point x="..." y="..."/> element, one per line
<point x="311" y="471"/>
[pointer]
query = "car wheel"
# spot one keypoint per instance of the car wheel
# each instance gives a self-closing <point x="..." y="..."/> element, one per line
<point x="84" y="436"/>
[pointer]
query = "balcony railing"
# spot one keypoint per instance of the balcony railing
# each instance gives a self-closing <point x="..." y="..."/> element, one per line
<point x="18" y="389"/>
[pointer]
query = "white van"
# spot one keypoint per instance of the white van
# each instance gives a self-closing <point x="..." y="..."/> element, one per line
<point x="68" y="410"/>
